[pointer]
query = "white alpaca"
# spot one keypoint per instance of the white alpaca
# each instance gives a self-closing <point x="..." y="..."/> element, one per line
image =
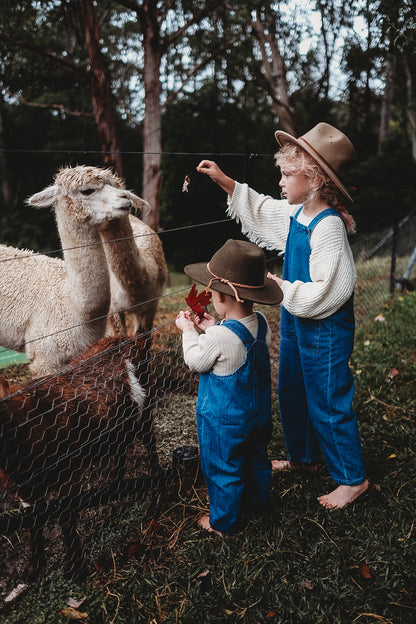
<point x="138" y="273"/>
<point x="53" y="309"/>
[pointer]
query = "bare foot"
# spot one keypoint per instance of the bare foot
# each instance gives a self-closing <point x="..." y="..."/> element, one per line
<point x="343" y="495"/>
<point x="281" y="464"/>
<point x="204" y="524"/>
<point x="286" y="465"/>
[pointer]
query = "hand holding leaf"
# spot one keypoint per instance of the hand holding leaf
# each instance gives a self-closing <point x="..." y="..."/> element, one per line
<point x="198" y="303"/>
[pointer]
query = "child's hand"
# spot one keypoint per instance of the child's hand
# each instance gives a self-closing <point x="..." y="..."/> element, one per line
<point x="206" y="321"/>
<point x="184" y="321"/>
<point x="211" y="169"/>
<point x="275" y="278"/>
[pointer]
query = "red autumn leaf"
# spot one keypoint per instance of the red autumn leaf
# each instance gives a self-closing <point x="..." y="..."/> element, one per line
<point x="364" y="571"/>
<point x="196" y="302"/>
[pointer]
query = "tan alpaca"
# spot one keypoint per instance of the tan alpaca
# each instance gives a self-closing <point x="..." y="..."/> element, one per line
<point x="138" y="273"/>
<point x="53" y="309"/>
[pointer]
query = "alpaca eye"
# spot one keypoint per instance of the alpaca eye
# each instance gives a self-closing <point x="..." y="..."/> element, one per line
<point x="87" y="191"/>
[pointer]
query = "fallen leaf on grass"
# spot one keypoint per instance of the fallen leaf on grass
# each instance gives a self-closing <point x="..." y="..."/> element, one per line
<point x="392" y="372"/>
<point x="380" y="318"/>
<point x="75" y="603"/>
<point x="200" y="575"/>
<point x="16" y="592"/>
<point x="135" y="550"/>
<point x="365" y="571"/>
<point x="73" y="614"/>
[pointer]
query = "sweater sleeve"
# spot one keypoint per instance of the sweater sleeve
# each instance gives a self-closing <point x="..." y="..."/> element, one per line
<point x="332" y="271"/>
<point x="218" y="349"/>
<point x="264" y="220"/>
<point x="200" y="351"/>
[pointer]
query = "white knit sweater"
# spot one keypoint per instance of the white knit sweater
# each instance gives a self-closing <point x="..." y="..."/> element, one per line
<point x="218" y="348"/>
<point x="266" y="222"/>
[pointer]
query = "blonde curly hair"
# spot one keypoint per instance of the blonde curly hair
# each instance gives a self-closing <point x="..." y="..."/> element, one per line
<point x="295" y="160"/>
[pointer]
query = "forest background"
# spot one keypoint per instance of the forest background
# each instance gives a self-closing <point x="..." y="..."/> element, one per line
<point x="151" y="87"/>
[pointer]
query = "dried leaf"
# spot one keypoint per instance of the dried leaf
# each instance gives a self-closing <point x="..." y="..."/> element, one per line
<point x="186" y="184"/>
<point x="392" y="373"/>
<point x="73" y="614"/>
<point x="196" y="302"/>
<point x="365" y="571"/>
<point x="75" y="603"/>
<point x="135" y="550"/>
<point x="16" y="592"/>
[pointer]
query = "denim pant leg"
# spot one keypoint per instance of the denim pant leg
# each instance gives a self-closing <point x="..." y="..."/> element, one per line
<point x="222" y="458"/>
<point x="257" y="465"/>
<point x="330" y="391"/>
<point x="300" y="439"/>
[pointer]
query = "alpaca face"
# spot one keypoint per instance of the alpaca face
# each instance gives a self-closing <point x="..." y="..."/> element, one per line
<point x="88" y="195"/>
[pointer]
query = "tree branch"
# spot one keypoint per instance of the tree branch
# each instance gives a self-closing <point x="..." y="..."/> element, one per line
<point x="59" y="107"/>
<point x="196" y="68"/>
<point x="25" y="45"/>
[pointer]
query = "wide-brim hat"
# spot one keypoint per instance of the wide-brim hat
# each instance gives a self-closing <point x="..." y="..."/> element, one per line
<point x="331" y="149"/>
<point x="238" y="269"/>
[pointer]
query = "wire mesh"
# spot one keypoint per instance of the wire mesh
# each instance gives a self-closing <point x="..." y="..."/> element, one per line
<point x="104" y="437"/>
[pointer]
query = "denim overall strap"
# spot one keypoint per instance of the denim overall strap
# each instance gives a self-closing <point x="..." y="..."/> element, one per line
<point x="316" y="386"/>
<point x="234" y="428"/>
<point x="244" y="334"/>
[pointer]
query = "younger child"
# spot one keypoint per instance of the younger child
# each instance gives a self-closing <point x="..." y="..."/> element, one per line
<point x="310" y="224"/>
<point x="233" y="409"/>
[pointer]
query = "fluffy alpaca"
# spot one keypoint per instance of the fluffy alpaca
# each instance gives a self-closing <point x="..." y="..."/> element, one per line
<point x="54" y="428"/>
<point x="53" y="309"/>
<point x="138" y="273"/>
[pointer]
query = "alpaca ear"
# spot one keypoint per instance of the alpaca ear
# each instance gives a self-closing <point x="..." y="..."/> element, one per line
<point x="44" y="198"/>
<point x="139" y="203"/>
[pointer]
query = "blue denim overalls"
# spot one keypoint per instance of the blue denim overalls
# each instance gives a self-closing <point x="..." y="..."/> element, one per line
<point x="234" y="428"/>
<point x="316" y="386"/>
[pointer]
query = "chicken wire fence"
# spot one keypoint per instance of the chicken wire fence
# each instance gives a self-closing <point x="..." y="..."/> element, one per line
<point x="97" y="445"/>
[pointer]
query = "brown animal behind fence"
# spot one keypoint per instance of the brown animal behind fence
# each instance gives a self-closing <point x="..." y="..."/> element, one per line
<point x="55" y="428"/>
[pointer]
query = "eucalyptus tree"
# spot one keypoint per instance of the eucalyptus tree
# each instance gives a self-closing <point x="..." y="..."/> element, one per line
<point x="398" y="26"/>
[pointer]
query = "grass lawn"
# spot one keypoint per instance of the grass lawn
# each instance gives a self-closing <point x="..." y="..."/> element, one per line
<point x="297" y="563"/>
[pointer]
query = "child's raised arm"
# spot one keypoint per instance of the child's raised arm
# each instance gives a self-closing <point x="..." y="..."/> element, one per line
<point x="211" y="169"/>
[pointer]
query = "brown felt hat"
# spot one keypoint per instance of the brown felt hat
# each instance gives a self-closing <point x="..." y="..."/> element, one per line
<point x="238" y="269"/>
<point x="331" y="149"/>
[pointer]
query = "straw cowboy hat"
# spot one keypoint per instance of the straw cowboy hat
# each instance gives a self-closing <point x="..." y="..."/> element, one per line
<point x="331" y="149"/>
<point x="237" y="269"/>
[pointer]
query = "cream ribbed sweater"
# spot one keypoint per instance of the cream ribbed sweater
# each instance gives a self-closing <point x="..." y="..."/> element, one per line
<point x="266" y="221"/>
<point x="218" y="348"/>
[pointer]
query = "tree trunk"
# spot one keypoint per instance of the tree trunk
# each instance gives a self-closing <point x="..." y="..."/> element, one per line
<point x="275" y="74"/>
<point x="6" y="190"/>
<point x="385" y="115"/>
<point x="102" y="96"/>
<point x="410" y="104"/>
<point x="152" y="123"/>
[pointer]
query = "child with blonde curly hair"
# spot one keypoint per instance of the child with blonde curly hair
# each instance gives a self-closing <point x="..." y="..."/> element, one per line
<point x="310" y="223"/>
